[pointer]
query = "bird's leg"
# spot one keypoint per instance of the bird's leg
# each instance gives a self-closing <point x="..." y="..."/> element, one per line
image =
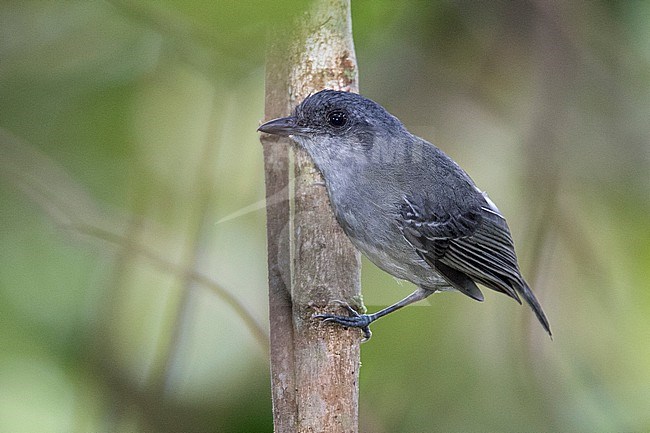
<point x="363" y="321"/>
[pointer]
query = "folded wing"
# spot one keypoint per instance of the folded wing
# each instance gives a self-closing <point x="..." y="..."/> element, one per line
<point x="468" y="245"/>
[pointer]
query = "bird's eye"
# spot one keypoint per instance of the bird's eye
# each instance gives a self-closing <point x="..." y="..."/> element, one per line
<point x="337" y="119"/>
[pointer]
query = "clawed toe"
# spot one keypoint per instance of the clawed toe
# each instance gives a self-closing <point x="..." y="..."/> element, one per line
<point x="356" y="320"/>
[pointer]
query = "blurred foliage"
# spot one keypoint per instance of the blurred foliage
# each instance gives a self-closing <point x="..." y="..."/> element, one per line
<point x="132" y="254"/>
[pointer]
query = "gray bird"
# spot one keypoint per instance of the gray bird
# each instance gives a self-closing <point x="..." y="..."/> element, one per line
<point x="404" y="203"/>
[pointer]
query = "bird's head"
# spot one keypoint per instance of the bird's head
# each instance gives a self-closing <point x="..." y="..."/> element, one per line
<point x="339" y="128"/>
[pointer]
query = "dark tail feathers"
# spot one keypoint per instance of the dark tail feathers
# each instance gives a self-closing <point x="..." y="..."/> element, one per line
<point x="528" y="295"/>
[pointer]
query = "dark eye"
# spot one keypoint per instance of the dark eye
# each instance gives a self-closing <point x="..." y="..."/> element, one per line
<point x="337" y="119"/>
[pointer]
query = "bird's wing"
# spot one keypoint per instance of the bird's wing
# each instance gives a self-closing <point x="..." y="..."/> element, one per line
<point x="465" y="243"/>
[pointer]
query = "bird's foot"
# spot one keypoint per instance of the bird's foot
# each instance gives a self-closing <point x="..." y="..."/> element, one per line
<point x="355" y="320"/>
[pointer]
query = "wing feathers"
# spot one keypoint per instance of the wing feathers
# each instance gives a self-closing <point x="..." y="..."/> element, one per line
<point x="467" y="246"/>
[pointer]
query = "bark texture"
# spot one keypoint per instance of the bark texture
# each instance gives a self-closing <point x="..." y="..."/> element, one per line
<point x="314" y="366"/>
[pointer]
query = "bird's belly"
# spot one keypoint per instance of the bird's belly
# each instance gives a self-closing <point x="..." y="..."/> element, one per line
<point x="402" y="262"/>
<point x="377" y="235"/>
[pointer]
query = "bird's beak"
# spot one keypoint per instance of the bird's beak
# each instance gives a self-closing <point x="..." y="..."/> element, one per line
<point x="283" y="126"/>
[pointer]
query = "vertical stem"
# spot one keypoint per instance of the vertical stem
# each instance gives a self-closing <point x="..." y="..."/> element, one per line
<point x="276" y="169"/>
<point x="314" y="367"/>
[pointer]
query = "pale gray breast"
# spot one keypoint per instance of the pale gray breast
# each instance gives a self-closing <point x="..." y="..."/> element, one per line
<point x="369" y="218"/>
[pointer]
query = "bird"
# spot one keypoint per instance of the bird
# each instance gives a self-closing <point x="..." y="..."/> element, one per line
<point x="405" y="204"/>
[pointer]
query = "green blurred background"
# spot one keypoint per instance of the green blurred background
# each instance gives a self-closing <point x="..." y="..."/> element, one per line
<point x="127" y="143"/>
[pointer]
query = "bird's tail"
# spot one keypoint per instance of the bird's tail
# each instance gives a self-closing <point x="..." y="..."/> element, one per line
<point x="524" y="290"/>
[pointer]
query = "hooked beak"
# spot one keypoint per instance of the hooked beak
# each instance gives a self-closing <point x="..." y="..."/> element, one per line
<point x="285" y="126"/>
